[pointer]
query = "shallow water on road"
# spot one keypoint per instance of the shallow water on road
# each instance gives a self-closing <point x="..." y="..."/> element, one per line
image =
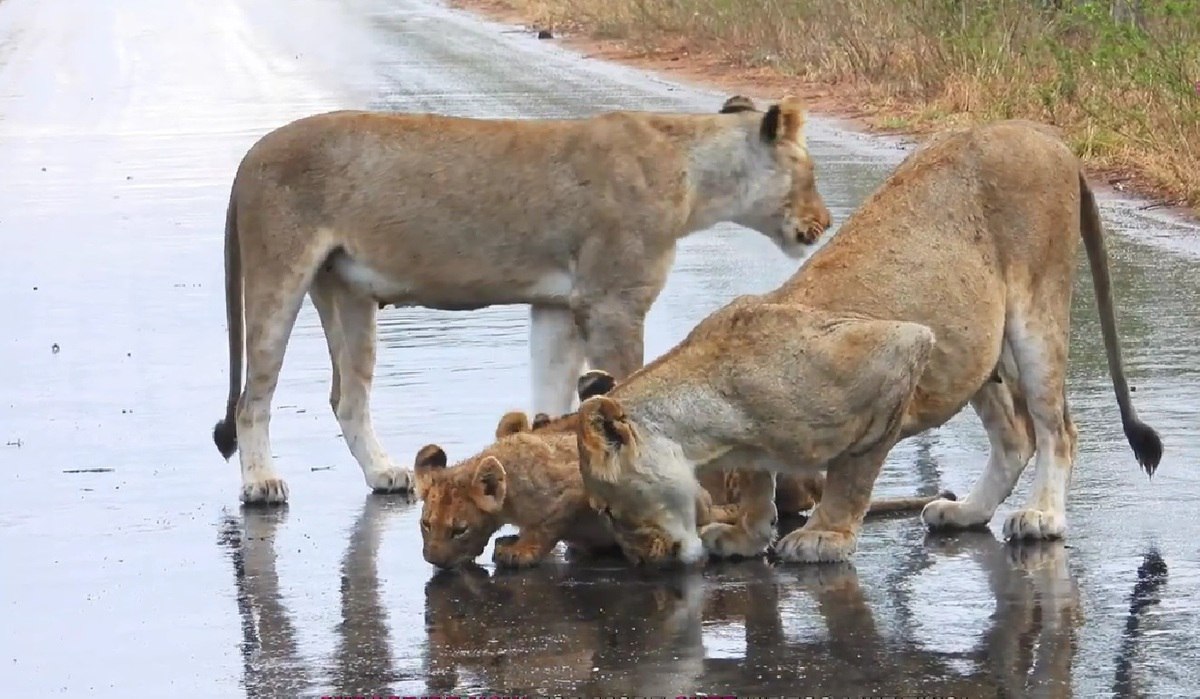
<point x="130" y="566"/>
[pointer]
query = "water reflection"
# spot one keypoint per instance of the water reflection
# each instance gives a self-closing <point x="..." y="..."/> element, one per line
<point x="1151" y="577"/>
<point x="601" y="631"/>
<point x="963" y="615"/>
<point x="271" y="661"/>
<point x="273" y="666"/>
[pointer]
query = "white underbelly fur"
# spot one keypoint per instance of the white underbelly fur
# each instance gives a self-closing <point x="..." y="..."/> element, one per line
<point x="554" y="286"/>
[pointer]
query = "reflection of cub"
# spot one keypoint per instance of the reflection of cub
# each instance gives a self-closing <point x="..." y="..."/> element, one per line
<point x="530" y="478"/>
<point x="562" y="631"/>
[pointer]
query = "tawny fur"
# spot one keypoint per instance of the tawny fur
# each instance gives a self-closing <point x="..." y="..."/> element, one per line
<point x="578" y="218"/>
<point x="536" y="472"/>
<point x="950" y="285"/>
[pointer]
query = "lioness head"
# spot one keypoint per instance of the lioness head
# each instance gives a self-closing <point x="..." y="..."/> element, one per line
<point x="786" y="206"/>
<point x="645" y="491"/>
<point x="461" y="506"/>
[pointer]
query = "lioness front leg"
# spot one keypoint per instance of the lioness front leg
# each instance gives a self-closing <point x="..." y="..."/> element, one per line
<point x="356" y="368"/>
<point x="831" y="533"/>
<point x="613" y="337"/>
<point x="556" y="358"/>
<point x="528" y="548"/>
<point x="755" y="528"/>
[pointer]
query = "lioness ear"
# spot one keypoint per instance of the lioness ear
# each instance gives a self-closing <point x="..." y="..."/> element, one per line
<point x="540" y="420"/>
<point x="784" y="122"/>
<point x="511" y="423"/>
<point x="594" y="383"/>
<point x="489" y="484"/>
<point x="605" y="438"/>
<point x="430" y="459"/>
<point x="738" y="103"/>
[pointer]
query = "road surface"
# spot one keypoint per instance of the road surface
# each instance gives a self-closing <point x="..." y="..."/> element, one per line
<point x="129" y="566"/>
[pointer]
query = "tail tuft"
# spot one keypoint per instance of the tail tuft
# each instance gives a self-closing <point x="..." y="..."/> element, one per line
<point x="948" y="495"/>
<point x="225" y="437"/>
<point x="1147" y="445"/>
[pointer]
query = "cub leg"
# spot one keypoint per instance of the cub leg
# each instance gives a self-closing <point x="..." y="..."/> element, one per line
<point x="755" y="528"/>
<point x="556" y="359"/>
<point x="1001" y="408"/>
<point x="356" y="368"/>
<point x="527" y="548"/>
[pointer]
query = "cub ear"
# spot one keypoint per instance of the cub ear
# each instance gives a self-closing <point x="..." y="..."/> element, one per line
<point x="738" y="103"/>
<point x="511" y="423"/>
<point x="784" y="122"/>
<point x="430" y="459"/>
<point x="594" y="383"/>
<point x="489" y="485"/>
<point x="606" y="438"/>
<point x="540" y="420"/>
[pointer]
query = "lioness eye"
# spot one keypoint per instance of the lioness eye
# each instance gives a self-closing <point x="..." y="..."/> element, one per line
<point x="458" y="530"/>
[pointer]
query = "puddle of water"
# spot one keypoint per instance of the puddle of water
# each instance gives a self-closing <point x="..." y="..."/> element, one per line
<point x="121" y="124"/>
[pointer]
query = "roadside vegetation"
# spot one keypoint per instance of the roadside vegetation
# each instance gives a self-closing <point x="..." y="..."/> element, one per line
<point x="1121" y="78"/>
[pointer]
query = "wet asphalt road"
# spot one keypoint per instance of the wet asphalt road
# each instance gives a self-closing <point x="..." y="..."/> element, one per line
<point x="129" y="566"/>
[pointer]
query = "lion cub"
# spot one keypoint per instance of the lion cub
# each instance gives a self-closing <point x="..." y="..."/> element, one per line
<point x="528" y="477"/>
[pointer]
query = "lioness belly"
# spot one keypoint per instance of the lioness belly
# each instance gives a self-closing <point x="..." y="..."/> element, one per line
<point x="455" y="290"/>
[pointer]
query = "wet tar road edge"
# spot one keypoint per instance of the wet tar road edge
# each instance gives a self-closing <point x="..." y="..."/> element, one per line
<point x="129" y="566"/>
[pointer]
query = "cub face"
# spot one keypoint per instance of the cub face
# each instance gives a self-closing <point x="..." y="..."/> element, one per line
<point x="460" y="506"/>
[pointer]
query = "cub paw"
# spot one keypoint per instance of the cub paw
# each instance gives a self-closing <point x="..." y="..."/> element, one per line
<point x="267" y="491"/>
<point x="951" y="514"/>
<point x="724" y="514"/>
<point x="390" y="480"/>
<point x="728" y="540"/>
<point x="1035" y="524"/>
<point x="511" y="552"/>
<point x="816" y="546"/>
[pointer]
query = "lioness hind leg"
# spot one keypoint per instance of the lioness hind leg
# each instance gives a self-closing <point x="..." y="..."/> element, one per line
<point x="273" y="297"/>
<point x="322" y="295"/>
<point x="1009" y="427"/>
<point x="755" y="528"/>
<point x="1042" y="362"/>
<point x="356" y="369"/>
<point x="556" y="359"/>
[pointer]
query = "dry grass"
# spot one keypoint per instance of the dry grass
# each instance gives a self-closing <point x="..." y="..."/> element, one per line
<point x="1126" y="94"/>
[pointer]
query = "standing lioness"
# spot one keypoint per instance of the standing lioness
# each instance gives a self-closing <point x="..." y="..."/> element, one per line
<point x="951" y="284"/>
<point x="578" y="218"/>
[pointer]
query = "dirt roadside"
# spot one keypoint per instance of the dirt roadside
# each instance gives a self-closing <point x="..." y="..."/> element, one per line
<point x="848" y="104"/>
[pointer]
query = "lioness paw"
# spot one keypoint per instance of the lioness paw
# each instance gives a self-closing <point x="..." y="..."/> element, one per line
<point x="390" y="480"/>
<point x="951" y="514"/>
<point x="816" y="546"/>
<point x="729" y="540"/>
<point x="268" y="491"/>
<point x="1035" y="524"/>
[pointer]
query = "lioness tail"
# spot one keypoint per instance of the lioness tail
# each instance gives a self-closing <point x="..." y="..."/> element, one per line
<point x="225" y="431"/>
<point x="1147" y="446"/>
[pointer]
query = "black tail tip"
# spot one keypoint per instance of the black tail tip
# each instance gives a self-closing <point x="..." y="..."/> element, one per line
<point x="225" y="437"/>
<point x="948" y="495"/>
<point x="1147" y="445"/>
